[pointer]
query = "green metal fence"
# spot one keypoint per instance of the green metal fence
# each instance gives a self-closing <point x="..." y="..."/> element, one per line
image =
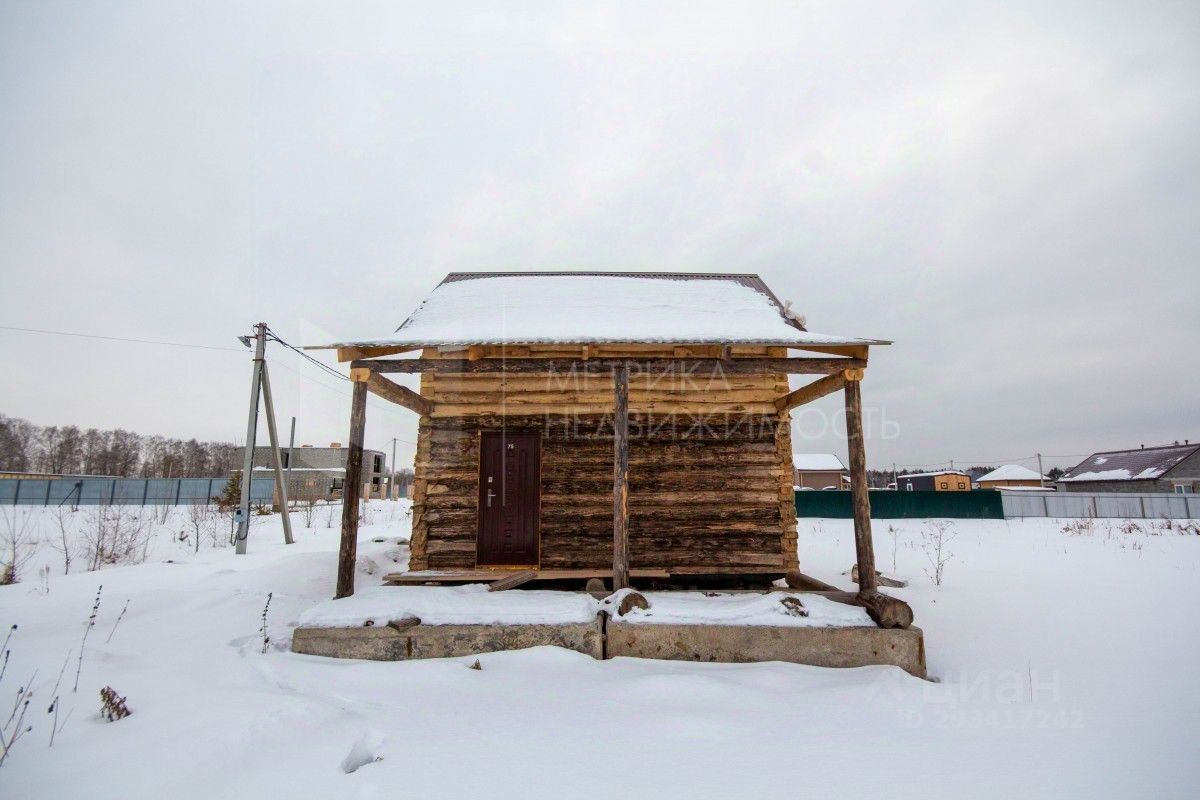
<point x="976" y="504"/>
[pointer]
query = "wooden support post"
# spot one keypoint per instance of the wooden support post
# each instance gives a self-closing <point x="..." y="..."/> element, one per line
<point x="352" y="486"/>
<point x="859" y="494"/>
<point x="621" y="478"/>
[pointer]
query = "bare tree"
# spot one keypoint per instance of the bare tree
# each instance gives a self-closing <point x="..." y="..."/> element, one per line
<point x="894" y="532"/>
<point x="162" y="513"/>
<point x="68" y="450"/>
<point x="115" y="535"/>
<point x="308" y="507"/>
<point x="17" y="443"/>
<point x="64" y="540"/>
<point x="18" y="543"/>
<point x="935" y="535"/>
<point x="59" y="450"/>
<point x="202" y="518"/>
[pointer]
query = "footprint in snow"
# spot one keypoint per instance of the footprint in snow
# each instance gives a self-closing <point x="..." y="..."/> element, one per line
<point x="365" y="751"/>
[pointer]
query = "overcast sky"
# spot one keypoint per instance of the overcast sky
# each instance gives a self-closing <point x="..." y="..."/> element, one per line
<point x="1010" y="194"/>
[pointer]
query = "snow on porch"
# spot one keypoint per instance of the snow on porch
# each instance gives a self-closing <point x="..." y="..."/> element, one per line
<point x="751" y="609"/>
<point x="473" y="604"/>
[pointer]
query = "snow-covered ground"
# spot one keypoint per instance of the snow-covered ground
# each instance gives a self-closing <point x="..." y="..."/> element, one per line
<point x="1065" y="665"/>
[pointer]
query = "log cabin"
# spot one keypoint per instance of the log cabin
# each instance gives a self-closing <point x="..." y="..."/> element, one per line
<point x="620" y="426"/>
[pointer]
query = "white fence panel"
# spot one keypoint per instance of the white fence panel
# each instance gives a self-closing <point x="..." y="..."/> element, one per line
<point x="1023" y="504"/>
<point x="1171" y="506"/>
<point x="1120" y="505"/>
<point x="1071" y="504"/>
<point x="1124" y="506"/>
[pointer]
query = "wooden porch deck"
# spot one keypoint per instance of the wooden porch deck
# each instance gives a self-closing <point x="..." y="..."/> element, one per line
<point x="453" y="577"/>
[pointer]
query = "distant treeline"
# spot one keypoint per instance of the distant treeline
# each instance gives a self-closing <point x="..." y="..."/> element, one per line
<point x="68" y="450"/>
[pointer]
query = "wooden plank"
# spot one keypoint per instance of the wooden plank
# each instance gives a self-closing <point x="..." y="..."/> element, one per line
<point x="763" y="568"/>
<point x="570" y="574"/>
<point x="489" y="576"/>
<point x="884" y="580"/>
<point x="813" y="391"/>
<point x="352" y="353"/>
<point x="602" y="396"/>
<point x="798" y="580"/>
<point x="512" y="581"/>
<point x="621" y="478"/>
<point x="348" y="551"/>
<point x="852" y="350"/>
<point x="605" y="366"/>
<point x="715" y="410"/>
<point x="859" y="494"/>
<point x="404" y="624"/>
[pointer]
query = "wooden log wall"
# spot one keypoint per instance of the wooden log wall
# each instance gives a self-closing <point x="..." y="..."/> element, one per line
<point x="710" y="474"/>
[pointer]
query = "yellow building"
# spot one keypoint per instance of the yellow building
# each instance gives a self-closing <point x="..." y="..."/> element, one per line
<point x="943" y="481"/>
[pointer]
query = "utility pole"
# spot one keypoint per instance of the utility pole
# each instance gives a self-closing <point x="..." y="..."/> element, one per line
<point x="392" y="481"/>
<point x="280" y="484"/>
<point x="1041" y="472"/>
<point x="243" y="512"/>
<point x="291" y="451"/>
<point x="260" y="385"/>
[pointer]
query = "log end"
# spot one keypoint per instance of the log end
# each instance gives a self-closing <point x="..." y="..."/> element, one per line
<point x="886" y="611"/>
<point x="631" y="601"/>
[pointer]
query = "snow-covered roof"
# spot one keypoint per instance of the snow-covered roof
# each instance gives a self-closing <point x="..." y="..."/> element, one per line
<point x="934" y="474"/>
<point x="596" y="307"/>
<point x="1010" y="472"/>
<point x="1142" y="464"/>
<point x="817" y="462"/>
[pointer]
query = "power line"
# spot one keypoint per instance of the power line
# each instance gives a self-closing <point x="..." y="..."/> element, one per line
<point x="120" y="339"/>
<point x="337" y="390"/>
<point x="307" y="357"/>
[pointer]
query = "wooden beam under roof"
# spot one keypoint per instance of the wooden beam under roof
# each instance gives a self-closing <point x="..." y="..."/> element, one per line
<point x="850" y="350"/>
<point x="605" y="366"/>
<point x="392" y="392"/>
<point x="352" y="353"/>
<point x="813" y="391"/>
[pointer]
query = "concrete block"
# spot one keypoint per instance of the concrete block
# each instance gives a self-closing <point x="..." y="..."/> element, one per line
<point x="821" y="647"/>
<point x="381" y="643"/>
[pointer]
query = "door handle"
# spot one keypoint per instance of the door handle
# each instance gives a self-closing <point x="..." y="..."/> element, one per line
<point x="490" y="495"/>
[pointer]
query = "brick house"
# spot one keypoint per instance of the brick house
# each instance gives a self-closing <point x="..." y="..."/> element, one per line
<point x="1169" y="468"/>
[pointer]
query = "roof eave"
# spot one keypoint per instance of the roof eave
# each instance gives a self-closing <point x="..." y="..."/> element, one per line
<point x="392" y="342"/>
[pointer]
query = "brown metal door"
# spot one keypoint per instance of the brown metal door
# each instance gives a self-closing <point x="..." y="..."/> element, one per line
<point x="509" y="495"/>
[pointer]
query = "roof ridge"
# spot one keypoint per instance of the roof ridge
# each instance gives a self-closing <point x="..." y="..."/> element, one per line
<point x="1143" y="449"/>
<point x="750" y="280"/>
<point x="595" y="273"/>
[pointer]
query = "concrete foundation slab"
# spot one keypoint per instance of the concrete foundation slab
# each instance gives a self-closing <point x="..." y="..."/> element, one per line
<point x="820" y="647"/>
<point x="602" y="638"/>
<point x="381" y="643"/>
